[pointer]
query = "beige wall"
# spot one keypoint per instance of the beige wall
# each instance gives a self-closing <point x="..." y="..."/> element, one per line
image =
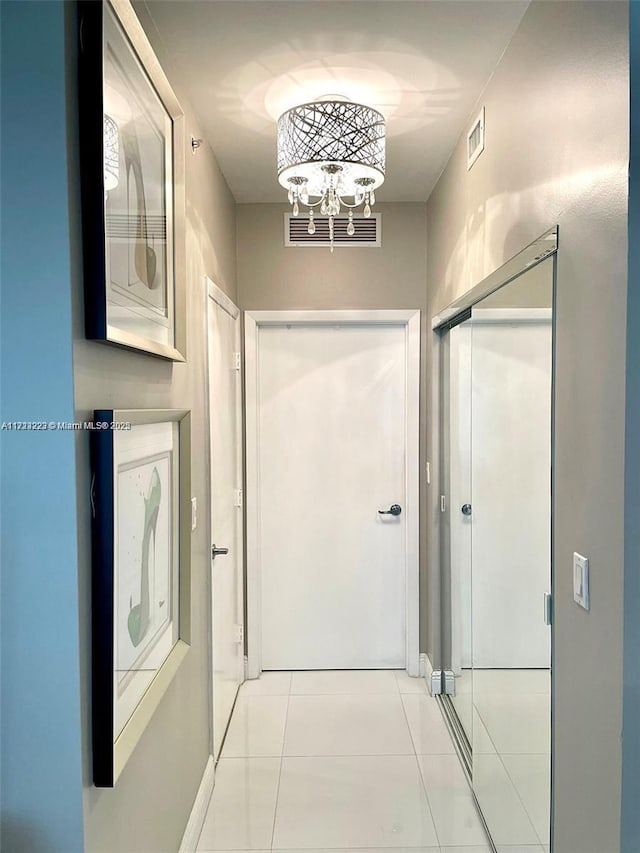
<point x="148" y="810"/>
<point x="273" y="277"/>
<point x="557" y="151"/>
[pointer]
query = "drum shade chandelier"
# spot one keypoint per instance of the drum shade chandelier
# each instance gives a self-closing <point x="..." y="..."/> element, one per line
<point x="111" y="149"/>
<point x="331" y="154"/>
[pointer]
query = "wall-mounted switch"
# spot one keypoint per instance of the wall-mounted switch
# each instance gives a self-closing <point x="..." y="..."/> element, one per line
<point x="194" y="513"/>
<point x="428" y="473"/>
<point x="581" y="580"/>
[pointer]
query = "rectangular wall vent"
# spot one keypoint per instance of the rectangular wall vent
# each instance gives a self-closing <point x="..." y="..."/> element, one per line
<point x="475" y="140"/>
<point x="368" y="231"/>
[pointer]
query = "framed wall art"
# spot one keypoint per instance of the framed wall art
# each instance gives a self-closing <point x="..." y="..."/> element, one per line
<point x="132" y="144"/>
<point x="141" y="529"/>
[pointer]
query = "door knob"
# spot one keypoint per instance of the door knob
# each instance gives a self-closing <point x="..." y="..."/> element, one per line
<point x="394" y="509"/>
<point x="465" y="509"/>
<point x="218" y="552"/>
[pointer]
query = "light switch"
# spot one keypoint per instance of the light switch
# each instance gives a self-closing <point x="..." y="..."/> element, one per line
<point x="194" y="513"/>
<point x="581" y="580"/>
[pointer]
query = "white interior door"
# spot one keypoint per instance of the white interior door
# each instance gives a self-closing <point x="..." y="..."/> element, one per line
<point x="225" y="420"/>
<point x="511" y="485"/>
<point x="331" y="427"/>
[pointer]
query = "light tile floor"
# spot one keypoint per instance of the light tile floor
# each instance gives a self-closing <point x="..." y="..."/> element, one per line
<point x="510" y="713"/>
<point x="338" y="761"/>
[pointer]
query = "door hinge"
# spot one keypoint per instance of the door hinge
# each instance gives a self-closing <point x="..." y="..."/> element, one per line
<point x="443" y="503"/>
<point x="237" y="500"/>
<point x="548" y="608"/>
<point x="237" y="361"/>
<point x="239" y="634"/>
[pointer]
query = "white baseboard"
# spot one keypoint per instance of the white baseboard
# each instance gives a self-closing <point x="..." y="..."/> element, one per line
<point x="425" y="666"/>
<point x="199" y="811"/>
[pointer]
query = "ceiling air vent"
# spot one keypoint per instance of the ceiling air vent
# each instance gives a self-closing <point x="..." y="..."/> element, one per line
<point x="368" y="231"/>
<point x="475" y="140"/>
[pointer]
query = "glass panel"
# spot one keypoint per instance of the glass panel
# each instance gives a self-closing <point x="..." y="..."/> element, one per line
<point x="138" y="194"/>
<point x="511" y="379"/>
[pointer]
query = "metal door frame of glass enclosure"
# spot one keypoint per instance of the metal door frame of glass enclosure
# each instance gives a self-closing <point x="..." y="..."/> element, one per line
<point x="442" y="679"/>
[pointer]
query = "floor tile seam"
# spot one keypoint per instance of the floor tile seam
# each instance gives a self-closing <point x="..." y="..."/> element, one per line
<point x="517" y="790"/>
<point x="431" y="848"/>
<point x="428" y="801"/>
<point x="338" y="755"/>
<point x="361" y="755"/>
<point x="475" y="708"/>
<point x="275" y="810"/>
<point x="421" y="777"/>
<point x="351" y="693"/>
<point x="520" y="752"/>
<point x="519" y="796"/>
<point x="413" y="741"/>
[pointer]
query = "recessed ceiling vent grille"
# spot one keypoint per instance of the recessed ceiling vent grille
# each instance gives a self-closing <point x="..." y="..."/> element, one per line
<point x="368" y="231"/>
<point x="475" y="140"/>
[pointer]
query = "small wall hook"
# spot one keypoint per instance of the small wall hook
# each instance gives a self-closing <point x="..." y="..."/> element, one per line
<point x="195" y="144"/>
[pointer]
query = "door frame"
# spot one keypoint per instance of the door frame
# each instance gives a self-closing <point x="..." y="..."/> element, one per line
<point x="214" y="294"/>
<point x="410" y="321"/>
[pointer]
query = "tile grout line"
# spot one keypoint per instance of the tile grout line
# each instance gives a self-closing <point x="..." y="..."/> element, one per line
<point x="424" y="786"/>
<point x="518" y="794"/>
<point x="284" y="735"/>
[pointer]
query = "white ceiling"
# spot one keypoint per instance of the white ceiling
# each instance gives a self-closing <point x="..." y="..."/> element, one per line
<point x="422" y="63"/>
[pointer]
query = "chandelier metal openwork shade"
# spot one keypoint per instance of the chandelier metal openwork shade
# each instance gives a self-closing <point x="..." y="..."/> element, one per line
<point x="111" y="149"/>
<point x="331" y="154"/>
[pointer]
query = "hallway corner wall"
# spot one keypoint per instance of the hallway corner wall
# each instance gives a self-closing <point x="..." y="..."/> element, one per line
<point x="630" y="841"/>
<point x="149" y="807"/>
<point x="557" y="153"/>
<point x="272" y="277"/>
<point x="41" y="761"/>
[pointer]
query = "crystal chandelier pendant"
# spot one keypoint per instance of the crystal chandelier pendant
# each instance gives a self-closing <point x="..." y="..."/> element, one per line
<point x="331" y="153"/>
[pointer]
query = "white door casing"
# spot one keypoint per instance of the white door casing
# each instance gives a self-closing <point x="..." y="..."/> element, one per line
<point x="283" y="388"/>
<point x="225" y="439"/>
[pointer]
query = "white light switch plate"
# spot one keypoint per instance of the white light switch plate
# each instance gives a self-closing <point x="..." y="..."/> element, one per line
<point x="581" y="580"/>
<point x="194" y="513"/>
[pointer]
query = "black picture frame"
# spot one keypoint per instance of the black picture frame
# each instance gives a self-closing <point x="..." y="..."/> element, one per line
<point x="128" y="321"/>
<point x="114" y="739"/>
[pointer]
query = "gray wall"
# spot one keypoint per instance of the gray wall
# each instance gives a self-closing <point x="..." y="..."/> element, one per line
<point x="273" y="277"/>
<point x="557" y="152"/>
<point x="630" y="841"/>
<point x="148" y="809"/>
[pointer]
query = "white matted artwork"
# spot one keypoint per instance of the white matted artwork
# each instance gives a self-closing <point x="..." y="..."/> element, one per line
<point x="139" y="257"/>
<point x="146" y="620"/>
